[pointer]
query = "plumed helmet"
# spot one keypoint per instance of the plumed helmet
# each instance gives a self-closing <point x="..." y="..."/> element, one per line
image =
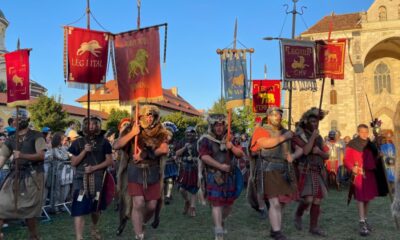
<point x="123" y="122"/>
<point x="191" y="129"/>
<point x="22" y="113"/>
<point x="170" y="126"/>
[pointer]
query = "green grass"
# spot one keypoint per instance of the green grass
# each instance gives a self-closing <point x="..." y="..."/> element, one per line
<point x="339" y="221"/>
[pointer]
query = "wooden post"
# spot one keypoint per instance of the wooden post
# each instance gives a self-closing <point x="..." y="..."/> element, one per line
<point x="88" y="85"/>
<point x="17" y="173"/>
<point x="136" y="123"/>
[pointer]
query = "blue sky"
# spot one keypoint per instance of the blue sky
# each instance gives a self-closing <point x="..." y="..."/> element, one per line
<point x="195" y="30"/>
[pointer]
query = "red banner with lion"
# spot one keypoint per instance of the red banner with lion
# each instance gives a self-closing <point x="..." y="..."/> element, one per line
<point x="17" y="67"/>
<point x="85" y="56"/>
<point x="330" y="58"/>
<point x="266" y="93"/>
<point x="137" y="57"/>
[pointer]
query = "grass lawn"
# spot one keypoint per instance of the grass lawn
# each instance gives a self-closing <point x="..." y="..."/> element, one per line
<point x="339" y="221"/>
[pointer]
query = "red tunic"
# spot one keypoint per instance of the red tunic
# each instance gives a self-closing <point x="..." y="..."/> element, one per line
<point x="365" y="186"/>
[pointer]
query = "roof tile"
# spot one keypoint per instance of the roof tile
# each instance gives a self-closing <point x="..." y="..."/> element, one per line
<point x="170" y="101"/>
<point x="340" y="23"/>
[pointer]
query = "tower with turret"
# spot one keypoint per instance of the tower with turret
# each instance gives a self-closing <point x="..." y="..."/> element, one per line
<point x="3" y="26"/>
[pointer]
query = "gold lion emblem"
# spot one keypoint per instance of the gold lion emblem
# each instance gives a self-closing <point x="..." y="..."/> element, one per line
<point x="18" y="80"/>
<point x="299" y="64"/>
<point x="267" y="98"/>
<point x="139" y="64"/>
<point x="238" y="81"/>
<point x="92" y="46"/>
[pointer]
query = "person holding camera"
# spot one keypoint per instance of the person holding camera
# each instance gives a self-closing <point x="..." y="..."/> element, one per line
<point x="91" y="155"/>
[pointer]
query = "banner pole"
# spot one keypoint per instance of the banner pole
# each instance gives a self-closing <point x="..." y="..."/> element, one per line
<point x="88" y="86"/>
<point x="137" y="123"/>
<point x="16" y="180"/>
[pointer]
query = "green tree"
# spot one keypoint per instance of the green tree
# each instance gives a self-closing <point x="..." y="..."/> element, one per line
<point x="115" y="117"/>
<point x="48" y="112"/>
<point x="3" y="87"/>
<point x="182" y="122"/>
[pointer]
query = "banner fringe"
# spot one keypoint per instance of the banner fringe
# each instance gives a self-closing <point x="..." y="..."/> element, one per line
<point x="23" y="103"/>
<point x="142" y="100"/>
<point x="84" y="86"/>
<point x="238" y="103"/>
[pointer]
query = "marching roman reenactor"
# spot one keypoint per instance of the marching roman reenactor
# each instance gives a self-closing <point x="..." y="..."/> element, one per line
<point x="334" y="165"/>
<point x="21" y="194"/>
<point x="188" y="176"/>
<point x="311" y="166"/>
<point x="270" y="143"/>
<point x="91" y="155"/>
<point x="124" y="201"/>
<point x="361" y="158"/>
<point x="221" y="179"/>
<point x="145" y="171"/>
<point x="171" y="167"/>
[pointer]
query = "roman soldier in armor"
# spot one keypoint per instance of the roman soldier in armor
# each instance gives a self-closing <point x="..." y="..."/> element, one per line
<point x="188" y="176"/>
<point x="334" y="164"/>
<point x="144" y="170"/>
<point x="217" y="152"/>
<point x="171" y="167"/>
<point x="270" y="143"/>
<point x="21" y="193"/>
<point x="124" y="200"/>
<point x="91" y="155"/>
<point x="311" y="166"/>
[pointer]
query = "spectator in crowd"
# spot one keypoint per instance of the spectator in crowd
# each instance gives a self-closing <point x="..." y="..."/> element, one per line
<point x="10" y="129"/>
<point x="5" y="169"/>
<point x="60" y="172"/>
<point x="346" y="140"/>
<point x="46" y="131"/>
<point x="1" y="125"/>
<point x="71" y="126"/>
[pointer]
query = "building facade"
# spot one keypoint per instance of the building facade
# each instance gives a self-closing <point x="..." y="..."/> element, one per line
<point x="372" y="69"/>
<point x="106" y="98"/>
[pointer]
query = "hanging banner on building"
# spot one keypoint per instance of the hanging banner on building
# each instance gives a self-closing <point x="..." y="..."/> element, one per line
<point x="234" y="71"/>
<point x="137" y="58"/>
<point x="298" y="63"/>
<point x="17" y="67"/>
<point x="266" y="93"/>
<point x="331" y="58"/>
<point x="85" y="56"/>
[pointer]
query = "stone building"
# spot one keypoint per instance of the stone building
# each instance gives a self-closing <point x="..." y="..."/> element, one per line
<point x="372" y="68"/>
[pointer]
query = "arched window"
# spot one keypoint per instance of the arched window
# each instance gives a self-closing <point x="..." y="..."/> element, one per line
<point x="333" y="97"/>
<point x="382" y="13"/>
<point x="334" y="125"/>
<point x="382" y="78"/>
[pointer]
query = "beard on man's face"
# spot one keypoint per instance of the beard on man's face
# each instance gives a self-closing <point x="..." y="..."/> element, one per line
<point x="23" y="124"/>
